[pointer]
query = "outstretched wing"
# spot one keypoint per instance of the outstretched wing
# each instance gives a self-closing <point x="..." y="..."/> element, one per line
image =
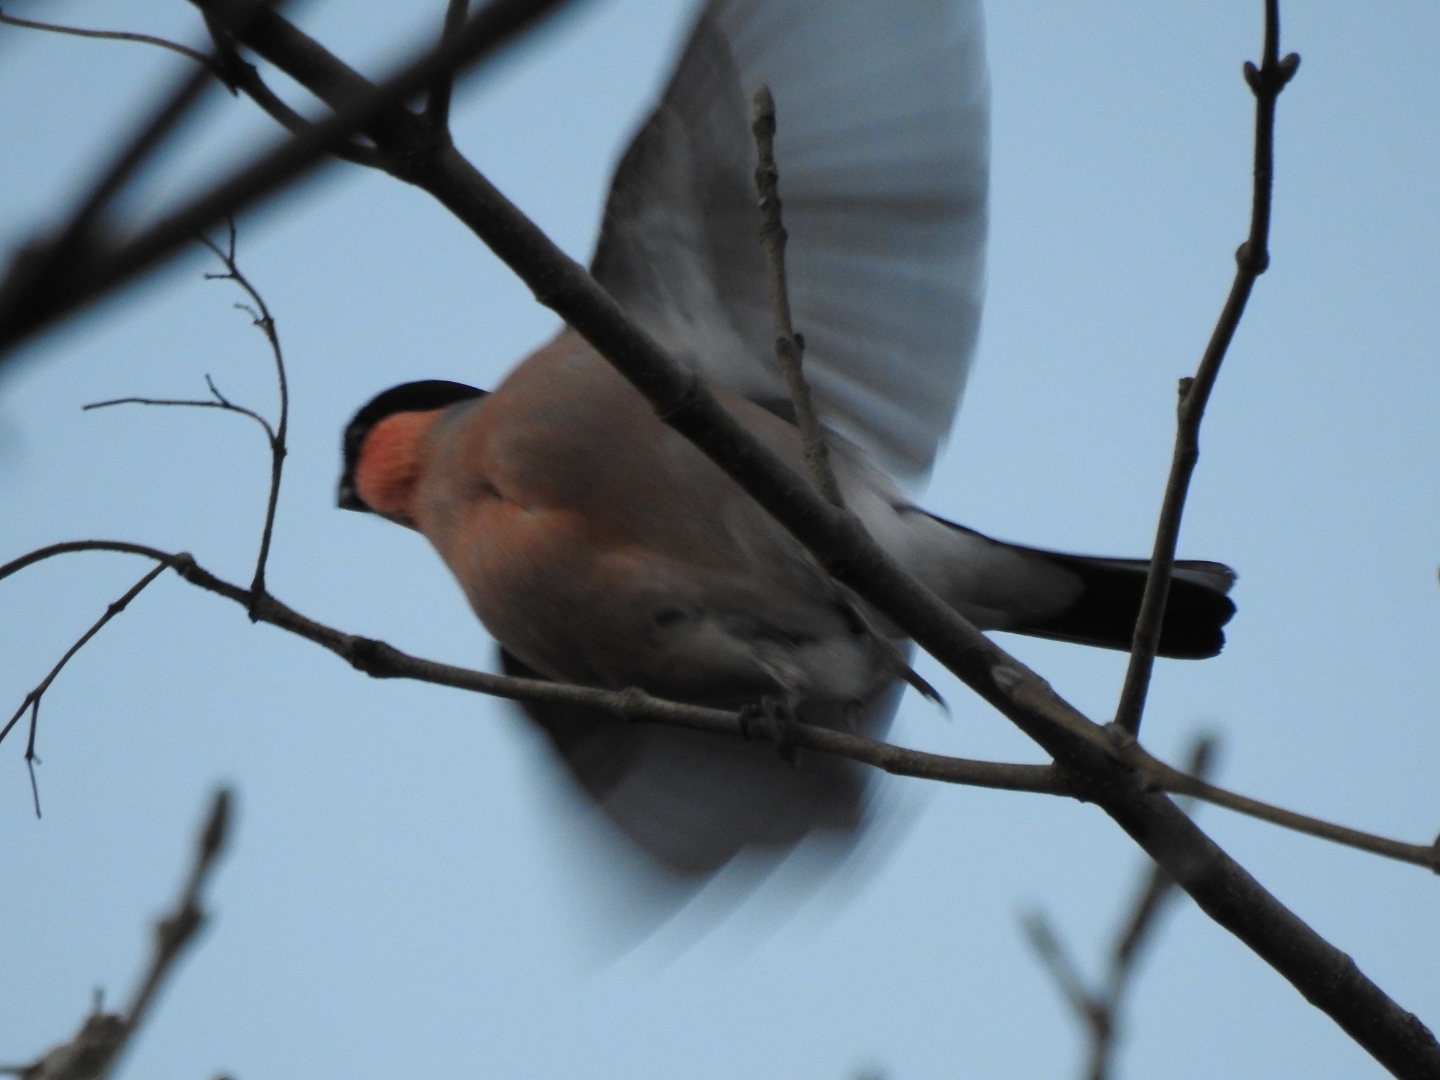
<point x="882" y="145"/>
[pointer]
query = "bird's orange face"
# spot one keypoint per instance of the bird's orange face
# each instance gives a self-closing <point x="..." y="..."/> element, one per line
<point x="390" y="464"/>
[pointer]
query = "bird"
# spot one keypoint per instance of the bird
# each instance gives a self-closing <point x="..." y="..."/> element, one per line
<point x="598" y="547"/>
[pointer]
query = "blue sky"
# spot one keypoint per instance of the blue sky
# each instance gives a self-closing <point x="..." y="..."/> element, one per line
<point x="411" y="888"/>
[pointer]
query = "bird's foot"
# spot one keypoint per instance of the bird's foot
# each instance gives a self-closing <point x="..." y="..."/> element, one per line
<point x="771" y="718"/>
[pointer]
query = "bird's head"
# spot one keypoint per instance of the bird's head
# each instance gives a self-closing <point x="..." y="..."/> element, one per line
<point x="381" y="447"/>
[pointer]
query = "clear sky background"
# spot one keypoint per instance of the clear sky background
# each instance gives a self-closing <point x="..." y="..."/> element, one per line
<point x="412" y="891"/>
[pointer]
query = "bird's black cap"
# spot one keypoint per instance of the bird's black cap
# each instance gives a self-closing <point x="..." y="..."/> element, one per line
<point x="408" y="397"/>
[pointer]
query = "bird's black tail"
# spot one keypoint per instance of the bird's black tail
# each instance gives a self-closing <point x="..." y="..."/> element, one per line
<point x="1104" y="613"/>
<point x="1079" y="598"/>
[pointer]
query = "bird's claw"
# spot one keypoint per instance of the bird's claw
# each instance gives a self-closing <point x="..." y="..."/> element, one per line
<point x="771" y="718"/>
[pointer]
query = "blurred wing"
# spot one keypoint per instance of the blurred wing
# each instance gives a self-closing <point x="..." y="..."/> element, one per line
<point x="882" y="145"/>
<point x="692" y="800"/>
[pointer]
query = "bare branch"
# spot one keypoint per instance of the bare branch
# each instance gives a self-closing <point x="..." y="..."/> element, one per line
<point x="382" y="661"/>
<point x="260" y="315"/>
<point x="48" y="281"/>
<point x="92" y="1053"/>
<point x="789" y="346"/>
<point x="32" y="699"/>
<point x="176" y="930"/>
<point x="241" y="75"/>
<point x="437" y="108"/>
<point x="1058" y="961"/>
<point x="1173" y="780"/>
<point x="1099" y="1009"/>
<point x="1251" y="260"/>
<point x="276" y="436"/>
<point x="187" y="403"/>
<point x="120" y="35"/>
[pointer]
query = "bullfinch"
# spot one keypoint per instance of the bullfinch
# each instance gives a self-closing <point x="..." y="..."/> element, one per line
<point x="599" y="547"/>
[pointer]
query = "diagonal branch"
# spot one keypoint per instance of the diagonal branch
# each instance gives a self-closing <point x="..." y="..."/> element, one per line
<point x="1251" y="261"/>
<point x="176" y="930"/>
<point x="243" y="76"/>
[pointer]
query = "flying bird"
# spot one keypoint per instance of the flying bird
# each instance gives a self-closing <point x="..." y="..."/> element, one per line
<point x="599" y="547"/>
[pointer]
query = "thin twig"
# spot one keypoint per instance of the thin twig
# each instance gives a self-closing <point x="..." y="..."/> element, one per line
<point x="261" y="317"/>
<point x="243" y="76"/>
<point x="437" y="107"/>
<point x="276" y="436"/>
<point x="1251" y="260"/>
<point x="120" y="35"/>
<point x="1058" y="961"/>
<point x="1099" y="1008"/>
<point x="32" y="699"/>
<point x="188" y="403"/>
<point x="789" y="346"/>
<point x="1173" y="780"/>
<point x="178" y="929"/>
<point x="93" y="1051"/>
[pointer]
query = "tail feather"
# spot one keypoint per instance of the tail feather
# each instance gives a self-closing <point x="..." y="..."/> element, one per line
<point x="1083" y="599"/>
<point x="1105" y="612"/>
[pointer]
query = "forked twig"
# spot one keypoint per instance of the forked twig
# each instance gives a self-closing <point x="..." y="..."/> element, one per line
<point x="91" y="1054"/>
<point x="32" y="699"/>
<point x="226" y="64"/>
<point x="241" y="75"/>
<point x="1252" y="259"/>
<point x="276" y="435"/>
<point x="261" y="317"/>
<point x="1099" y="1009"/>
<point x="789" y="346"/>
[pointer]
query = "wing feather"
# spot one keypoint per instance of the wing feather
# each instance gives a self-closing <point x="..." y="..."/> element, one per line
<point x="883" y="148"/>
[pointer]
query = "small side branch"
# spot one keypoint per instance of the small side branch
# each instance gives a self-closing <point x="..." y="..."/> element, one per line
<point x="241" y="75"/>
<point x="789" y="346"/>
<point x="1173" y="780"/>
<point x="1099" y="1009"/>
<point x="437" y="107"/>
<point x="118" y="35"/>
<point x="91" y="1054"/>
<point x="261" y="317"/>
<point x="32" y="699"/>
<point x="276" y="436"/>
<point x="178" y="929"/>
<point x="1251" y="259"/>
